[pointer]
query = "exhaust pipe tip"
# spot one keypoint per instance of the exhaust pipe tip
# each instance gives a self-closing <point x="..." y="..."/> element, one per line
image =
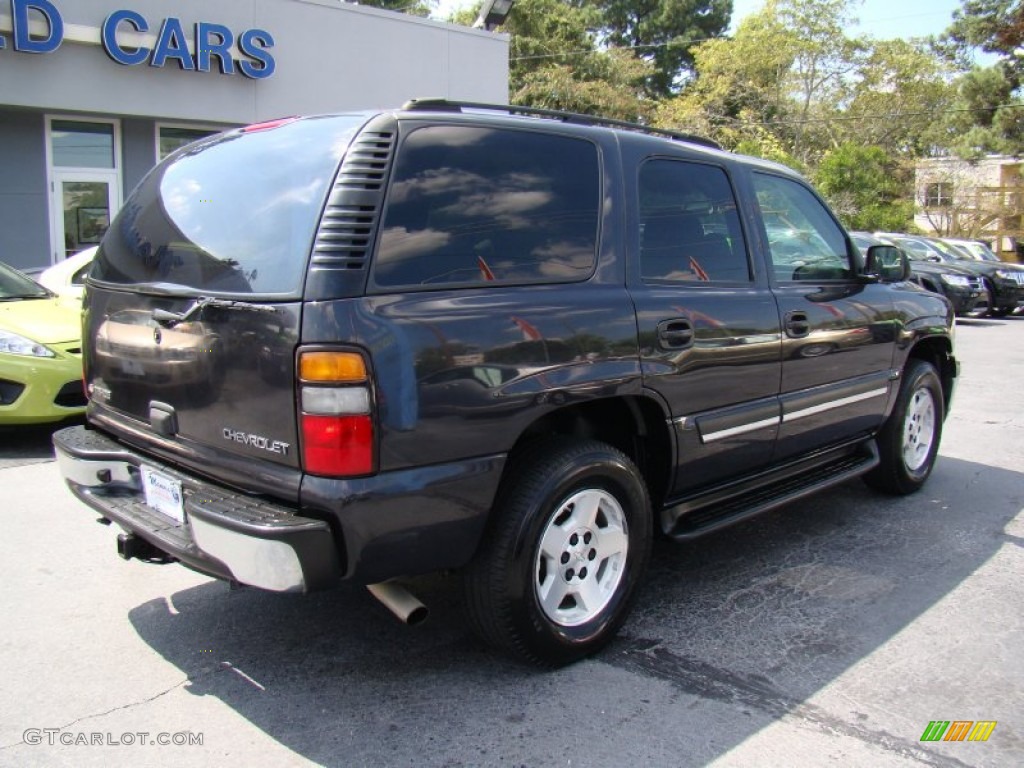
<point x="400" y="601"/>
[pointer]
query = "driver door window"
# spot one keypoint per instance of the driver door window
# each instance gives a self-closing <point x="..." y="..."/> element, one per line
<point x="804" y="242"/>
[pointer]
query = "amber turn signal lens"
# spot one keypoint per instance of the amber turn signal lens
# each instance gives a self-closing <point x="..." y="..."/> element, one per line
<point x="332" y="367"/>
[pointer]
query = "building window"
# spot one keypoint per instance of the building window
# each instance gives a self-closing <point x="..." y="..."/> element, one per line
<point x="173" y="137"/>
<point x="938" y="194"/>
<point x="77" y="144"/>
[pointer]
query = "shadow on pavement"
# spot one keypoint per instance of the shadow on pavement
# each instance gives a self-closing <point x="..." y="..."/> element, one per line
<point x="757" y="618"/>
<point x="21" y="445"/>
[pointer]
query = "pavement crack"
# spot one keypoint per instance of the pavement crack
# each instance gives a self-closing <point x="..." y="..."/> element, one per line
<point x="698" y="678"/>
<point x="123" y="707"/>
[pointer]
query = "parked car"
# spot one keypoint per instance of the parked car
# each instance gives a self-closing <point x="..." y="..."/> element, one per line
<point x="67" y="278"/>
<point x="502" y="341"/>
<point x="964" y="289"/>
<point x="40" y="353"/>
<point x="1004" y="282"/>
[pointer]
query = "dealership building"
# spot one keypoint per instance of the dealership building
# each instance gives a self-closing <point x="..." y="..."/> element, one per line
<point x="93" y="93"/>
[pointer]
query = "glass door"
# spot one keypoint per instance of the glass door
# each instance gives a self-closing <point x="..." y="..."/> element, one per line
<point x="84" y="202"/>
<point x="85" y="189"/>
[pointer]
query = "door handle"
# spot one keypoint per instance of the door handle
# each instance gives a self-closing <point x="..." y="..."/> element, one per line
<point x="797" y="325"/>
<point x="675" y="334"/>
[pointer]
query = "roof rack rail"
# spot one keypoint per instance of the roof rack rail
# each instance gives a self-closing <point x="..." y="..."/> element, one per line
<point x="445" y="105"/>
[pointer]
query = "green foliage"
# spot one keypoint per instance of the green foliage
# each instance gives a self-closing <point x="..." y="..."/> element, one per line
<point x="986" y="117"/>
<point x="556" y="63"/>
<point x="866" y="187"/>
<point x="899" y="93"/>
<point x="662" y="32"/>
<point x="994" y="26"/>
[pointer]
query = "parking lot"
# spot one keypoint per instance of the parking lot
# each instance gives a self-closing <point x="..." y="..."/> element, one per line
<point x="832" y="631"/>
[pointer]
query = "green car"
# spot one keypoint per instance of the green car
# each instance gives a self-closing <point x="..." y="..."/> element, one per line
<point x="40" y="353"/>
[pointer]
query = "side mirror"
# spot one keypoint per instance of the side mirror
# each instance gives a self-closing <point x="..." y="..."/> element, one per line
<point x="887" y="264"/>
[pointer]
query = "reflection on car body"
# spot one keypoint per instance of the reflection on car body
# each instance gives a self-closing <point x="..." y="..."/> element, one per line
<point x="133" y="348"/>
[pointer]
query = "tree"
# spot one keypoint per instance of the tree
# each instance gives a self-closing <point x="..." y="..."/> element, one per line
<point x="995" y="26"/>
<point x="662" y="32"/>
<point x="985" y="117"/>
<point x="866" y="187"/>
<point x="555" y="62"/>
<point x="899" y="94"/>
<point x="823" y="58"/>
<point x="785" y="69"/>
<point x="740" y="88"/>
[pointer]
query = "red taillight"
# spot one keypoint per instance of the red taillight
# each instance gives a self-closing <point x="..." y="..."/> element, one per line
<point x="337" y="445"/>
<point x="337" y="421"/>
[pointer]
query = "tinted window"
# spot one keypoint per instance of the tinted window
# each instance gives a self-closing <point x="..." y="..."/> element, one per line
<point x="804" y="241"/>
<point x="689" y="227"/>
<point x="235" y="213"/>
<point x="479" y="205"/>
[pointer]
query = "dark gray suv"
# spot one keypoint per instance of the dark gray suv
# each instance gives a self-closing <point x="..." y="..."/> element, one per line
<point x="506" y="342"/>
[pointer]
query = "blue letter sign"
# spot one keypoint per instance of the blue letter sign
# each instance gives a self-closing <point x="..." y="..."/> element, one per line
<point x="22" y="40"/>
<point x="109" y="36"/>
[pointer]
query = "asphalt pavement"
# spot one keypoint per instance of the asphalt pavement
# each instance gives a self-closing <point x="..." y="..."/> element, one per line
<point x="830" y="632"/>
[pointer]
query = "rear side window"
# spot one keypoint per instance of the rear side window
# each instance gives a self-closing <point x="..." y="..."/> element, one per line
<point x="474" y="205"/>
<point x="689" y="227"/>
<point x="235" y="213"/>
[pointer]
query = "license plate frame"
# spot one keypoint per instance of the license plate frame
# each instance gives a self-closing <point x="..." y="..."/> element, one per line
<point x="163" y="494"/>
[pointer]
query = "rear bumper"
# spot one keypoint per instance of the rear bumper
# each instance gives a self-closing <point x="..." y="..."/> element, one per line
<point x="225" y="534"/>
<point x="370" y="529"/>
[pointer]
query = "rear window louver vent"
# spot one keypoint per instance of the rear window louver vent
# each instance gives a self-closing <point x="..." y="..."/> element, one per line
<point x="345" y="236"/>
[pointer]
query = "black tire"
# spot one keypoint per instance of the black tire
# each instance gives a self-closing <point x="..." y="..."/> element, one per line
<point x="993" y="310"/>
<point x="577" y="495"/>
<point x="909" y="441"/>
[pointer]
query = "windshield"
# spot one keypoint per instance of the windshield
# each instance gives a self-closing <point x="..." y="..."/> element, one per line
<point x="15" y="285"/>
<point x="234" y="213"/>
<point x="952" y="252"/>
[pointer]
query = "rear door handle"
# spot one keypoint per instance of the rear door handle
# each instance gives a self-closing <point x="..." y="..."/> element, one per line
<point x="797" y="325"/>
<point x="675" y="334"/>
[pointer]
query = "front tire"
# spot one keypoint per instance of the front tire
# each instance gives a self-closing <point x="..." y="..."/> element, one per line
<point x="568" y="542"/>
<point x="908" y="443"/>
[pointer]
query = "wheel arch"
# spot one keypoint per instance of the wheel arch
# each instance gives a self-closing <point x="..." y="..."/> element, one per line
<point x="637" y="425"/>
<point x="938" y="351"/>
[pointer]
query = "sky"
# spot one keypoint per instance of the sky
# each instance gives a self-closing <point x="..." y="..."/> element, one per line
<point x="883" y="19"/>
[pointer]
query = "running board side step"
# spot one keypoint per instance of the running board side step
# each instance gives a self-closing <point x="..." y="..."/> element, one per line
<point x="699" y="516"/>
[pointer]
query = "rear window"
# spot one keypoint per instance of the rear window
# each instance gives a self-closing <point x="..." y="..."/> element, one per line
<point x="235" y="213"/>
<point x="474" y="205"/>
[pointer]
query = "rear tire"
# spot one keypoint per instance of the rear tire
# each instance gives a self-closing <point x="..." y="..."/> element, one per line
<point x="909" y="441"/>
<point x="568" y="542"/>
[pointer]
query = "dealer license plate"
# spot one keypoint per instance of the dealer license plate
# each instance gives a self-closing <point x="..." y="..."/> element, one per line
<point x="163" y="494"/>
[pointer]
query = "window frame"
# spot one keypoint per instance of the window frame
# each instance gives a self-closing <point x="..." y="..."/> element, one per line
<point x="375" y="288"/>
<point x="57" y="174"/>
<point x="939" y="200"/>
